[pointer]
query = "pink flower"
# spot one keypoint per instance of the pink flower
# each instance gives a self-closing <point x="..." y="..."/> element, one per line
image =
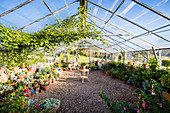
<point x="123" y="71"/>
<point x="160" y="104"/>
<point x="26" y="90"/>
<point x="124" y="108"/>
<point x="137" y="68"/>
<point x="28" y="111"/>
<point x="138" y="111"/>
<point x="143" y="105"/>
<point x="98" y="96"/>
<point x="127" y="97"/>
<point x="147" y="111"/>
<point x="152" y="86"/>
<point x="26" y="95"/>
<point x="37" y="107"/>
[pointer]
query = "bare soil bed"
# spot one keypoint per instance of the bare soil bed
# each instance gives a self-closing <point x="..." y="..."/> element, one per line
<point x="78" y="97"/>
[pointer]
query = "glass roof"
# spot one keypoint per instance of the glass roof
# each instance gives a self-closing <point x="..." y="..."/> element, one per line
<point x="128" y="25"/>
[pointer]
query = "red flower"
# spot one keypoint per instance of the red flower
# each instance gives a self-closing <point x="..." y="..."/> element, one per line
<point x="123" y="71"/>
<point x="26" y="90"/>
<point x="37" y="107"/>
<point x="121" y="98"/>
<point x="26" y="95"/>
<point x="137" y="68"/>
<point x="127" y="97"/>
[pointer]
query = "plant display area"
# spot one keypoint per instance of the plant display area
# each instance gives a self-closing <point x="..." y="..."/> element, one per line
<point x="42" y="61"/>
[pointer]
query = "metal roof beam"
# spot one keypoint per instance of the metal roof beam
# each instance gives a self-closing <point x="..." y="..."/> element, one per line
<point x="118" y="28"/>
<point x="143" y="34"/>
<point x="112" y="38"/>
<point x="15" y="8"/>
<point x="49" y="10"/>
<point x="142" y="28"/>
<point x="151" y="9"/>
<point x="113" y="14"/>
<point x="48" y="15"/>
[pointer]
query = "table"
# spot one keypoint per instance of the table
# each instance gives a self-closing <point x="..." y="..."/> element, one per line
<point x="83" y="76"/>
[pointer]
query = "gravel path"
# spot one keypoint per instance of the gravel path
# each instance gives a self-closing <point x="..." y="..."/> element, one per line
<point x="78" y="97"/>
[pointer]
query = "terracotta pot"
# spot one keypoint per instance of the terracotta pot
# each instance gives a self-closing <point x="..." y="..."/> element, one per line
<point x="20" y="77"/>
<point x="120" y="78"/>
<point x="124" y="81"/>
<point x="35" y="85"/>
<point x="23" y="67"/>
<point x="25" y="75"/>
<point x="167" y="96"/>
<point x="135" y="87"/>
<point x="53" y="81"/>
<point x="42" y="83"/>
<point x="45" y="87"/>
<point x="41" y="91"/>
<point x="105" y="72"/>
<point x="13" y="69"/>
<point x="12" y="84"/>
<point x="56" y="79"/>
<point x="115" y="76"/>
<point x="29" y="69"/>
<point x="83" y="67"/>
<point x="112" y="76"/>
<point x="38" y="88"/>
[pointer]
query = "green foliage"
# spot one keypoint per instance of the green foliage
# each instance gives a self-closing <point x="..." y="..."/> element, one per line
<point x="48" y="103"/>
<point x="117" y="107"/>
<point x="166" y="62"/>
<point x="14" y="102"/>
<point x="83" y="64"/>
<point x="153" y="64"/>
<point x="17" y="46"/>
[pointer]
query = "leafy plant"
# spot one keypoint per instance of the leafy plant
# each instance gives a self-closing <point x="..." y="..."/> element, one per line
<point x="48" y="103"/>
<point x="83" y="64"/>
<point x="153" y="64"/>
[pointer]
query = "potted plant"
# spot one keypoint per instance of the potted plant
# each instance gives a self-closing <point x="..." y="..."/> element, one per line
<point x="35" y="83"/>
<point x="125" y="79"/>
<point x="56" y="76"/>
<point x="53" y="79"/>
<point x="45" y="86"/>
<point x="41" y="82"/>
<point x="37" y="88"/>
<point x="49" y="104"/>
<point x="41" y="90"/>
<point x="83" y="65"/>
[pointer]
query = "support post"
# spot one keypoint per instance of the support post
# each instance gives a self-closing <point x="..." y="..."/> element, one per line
<point x="76" y="56"/>
<point x="105" y="56"/>
<point x="147" y="56"/>
<point x="160" y="59"/>
<point x="138" y="56"/>
<point x="90" y="55"/>
<point x="94" y="55"/>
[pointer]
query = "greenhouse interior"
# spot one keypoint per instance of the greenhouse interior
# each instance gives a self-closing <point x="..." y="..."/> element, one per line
<point x="85" y="56"/>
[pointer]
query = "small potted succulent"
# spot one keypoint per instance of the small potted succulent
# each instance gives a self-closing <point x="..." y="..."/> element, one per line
<point x="56" y="76"/>
<point x="37" y="88"/>
<point x="45" y="86"/>
<point x="41" y="82"/>
<point x="35" y="83"/>
<point x="53" y="79"/>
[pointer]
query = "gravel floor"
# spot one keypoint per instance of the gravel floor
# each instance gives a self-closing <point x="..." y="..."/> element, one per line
<point x="78" y="97"/>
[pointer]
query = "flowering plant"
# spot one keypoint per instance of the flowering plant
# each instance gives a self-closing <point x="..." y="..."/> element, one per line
<point x="151" y="99"/>
<point x="118" y="107"/>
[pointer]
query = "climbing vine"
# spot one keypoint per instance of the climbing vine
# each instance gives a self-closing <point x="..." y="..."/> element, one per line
<point x="16" y="46"/>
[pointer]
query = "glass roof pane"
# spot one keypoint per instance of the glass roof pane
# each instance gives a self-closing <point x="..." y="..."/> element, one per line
<point x="6" y="5"/>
